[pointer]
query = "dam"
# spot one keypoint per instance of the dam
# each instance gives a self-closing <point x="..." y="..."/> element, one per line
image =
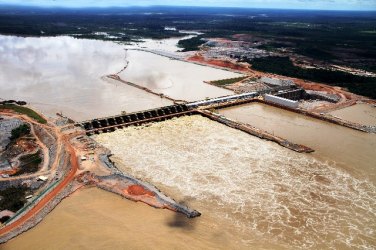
<point x="286" y="96"/>
<point x="108" y="124"/>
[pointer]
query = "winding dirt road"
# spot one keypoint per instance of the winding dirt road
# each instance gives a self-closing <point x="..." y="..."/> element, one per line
<point x="47" y="198"/>
<point x="64" y="142"/>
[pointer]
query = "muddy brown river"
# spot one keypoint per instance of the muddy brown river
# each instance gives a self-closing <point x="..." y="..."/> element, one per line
<point x="270" y="196"/>
<point x="253" y="194"/>
<point x="355" y="150"/>
<point x="96" y="219"/>
<point x="65" y="75"/>
<point x="359" y="113"/>
<point x="177" y="79"/>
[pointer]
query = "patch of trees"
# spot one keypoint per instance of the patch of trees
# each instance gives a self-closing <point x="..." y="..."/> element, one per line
<point x="343" y="38"/>
<point x="13" y="198"/>
<point x="29" y="164"/>
<point x="315" y="53"/>
<point x="21" y="130"/>
<point x="191" y="44"/>
<point x="21" y="103"/>
<point x="365" y="86"/>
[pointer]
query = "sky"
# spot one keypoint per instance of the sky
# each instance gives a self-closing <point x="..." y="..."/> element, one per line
<point x="278" y="4"/>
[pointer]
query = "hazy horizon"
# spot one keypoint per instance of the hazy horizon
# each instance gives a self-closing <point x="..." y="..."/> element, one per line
<point x="352" y="5"/>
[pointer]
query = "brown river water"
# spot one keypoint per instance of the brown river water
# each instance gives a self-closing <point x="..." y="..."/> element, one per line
<point x="354" y="150"/>
<point x="64" y="74"/>
<point x="251" y="193"/>
<point x="177" y="79"/>
<point x="359" y="113"/>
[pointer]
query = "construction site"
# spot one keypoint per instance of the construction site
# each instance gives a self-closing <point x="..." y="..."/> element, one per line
<point x="44" y="160"/>
<point x="66" y="158"/>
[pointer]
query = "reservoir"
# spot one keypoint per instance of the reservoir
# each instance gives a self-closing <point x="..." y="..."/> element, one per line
<point x="67" y="75"/>
<point x="252" y="193"/>
<point x="64" y="74"/>
<point x="176" y="79"/>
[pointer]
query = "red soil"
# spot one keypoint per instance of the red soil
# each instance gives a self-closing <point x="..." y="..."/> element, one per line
<point x="346" y="98"/>
<point x="26" y="145"/>
<point x="138" y="190"/>
<point x="9" y="172"/>
<point x="51" y="195"/>
<point x="218" y="63"/>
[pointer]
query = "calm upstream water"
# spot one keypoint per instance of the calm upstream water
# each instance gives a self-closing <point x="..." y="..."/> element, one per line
<point x="64" y="74"/>
<point x="177" y="79"/>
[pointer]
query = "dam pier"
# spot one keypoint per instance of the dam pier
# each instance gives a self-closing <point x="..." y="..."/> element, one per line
<point x="111" y="123"/>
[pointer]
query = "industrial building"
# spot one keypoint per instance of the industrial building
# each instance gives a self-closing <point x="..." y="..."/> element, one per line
<point x="276" y="81"/>
<point x="281" y="101"/>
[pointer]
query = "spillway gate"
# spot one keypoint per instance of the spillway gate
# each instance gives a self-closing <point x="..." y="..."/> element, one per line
<point x="111" y="123"/>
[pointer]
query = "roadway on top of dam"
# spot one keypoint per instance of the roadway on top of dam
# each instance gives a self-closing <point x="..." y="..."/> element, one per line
<point x="108" y="124"/>
<point x="111" y="123"/>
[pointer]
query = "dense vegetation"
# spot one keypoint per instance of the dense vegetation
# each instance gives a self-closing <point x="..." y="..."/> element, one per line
<point x="12" y="198"/>
<point x="21" y="130"/>
<point x="339" y="37"/>
<point x="229" y="81"/>
<point x="23" y="110"/>
<point x="29" y="164"/>
<point x="365" y="86"/>
<point x="191" y="44"/>
<point x="89" y="24"/>
<point x="327" y="35"/>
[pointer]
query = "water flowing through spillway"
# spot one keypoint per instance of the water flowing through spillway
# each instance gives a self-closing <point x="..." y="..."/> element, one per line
<point x="265" y="191"/>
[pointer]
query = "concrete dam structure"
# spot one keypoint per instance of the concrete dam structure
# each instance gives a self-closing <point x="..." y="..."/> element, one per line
<point x="291" y="94"/>
<point x="108" y="124"/>
<point x="111" y="123"/>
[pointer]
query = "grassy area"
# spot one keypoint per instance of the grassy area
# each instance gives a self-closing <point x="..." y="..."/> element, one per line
<point x="360" y="85"/>
<point x="228" y="81"/>
<point x="23" y="110"/>
<point x="29" y="164"/>
<point x="12" y="198"/>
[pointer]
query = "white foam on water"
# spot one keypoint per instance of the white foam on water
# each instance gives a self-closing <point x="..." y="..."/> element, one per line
<point x="266" y="190"/>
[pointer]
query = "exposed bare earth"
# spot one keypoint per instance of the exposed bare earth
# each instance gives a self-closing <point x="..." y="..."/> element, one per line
<point x="72" y="174"/>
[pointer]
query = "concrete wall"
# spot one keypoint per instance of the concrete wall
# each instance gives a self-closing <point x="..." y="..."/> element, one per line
<point x="281" y="101"/>
<point x="276" y="81"/>
<point x="295" y="95"/>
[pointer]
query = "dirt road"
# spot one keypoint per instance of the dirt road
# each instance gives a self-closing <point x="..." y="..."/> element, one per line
<point x="63" y="143"/>
<point x="49" y="196"/>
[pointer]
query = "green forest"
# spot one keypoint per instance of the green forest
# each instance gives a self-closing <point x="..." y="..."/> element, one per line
<point x="365" y="86"/>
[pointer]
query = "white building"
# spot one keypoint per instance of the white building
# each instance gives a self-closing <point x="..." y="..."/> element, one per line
<point x="281" y="101"/>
